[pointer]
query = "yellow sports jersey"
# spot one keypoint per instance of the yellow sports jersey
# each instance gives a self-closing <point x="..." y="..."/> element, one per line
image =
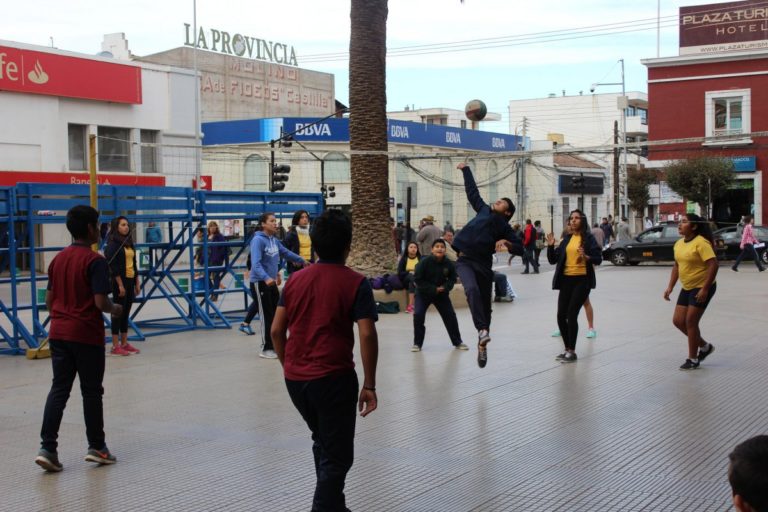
<point x="410" y="264"/>
<point x="691" y="258"/>
<point x="305" y="246"/>
<point x="573" y="267"/>
<point x="129" y="270"/>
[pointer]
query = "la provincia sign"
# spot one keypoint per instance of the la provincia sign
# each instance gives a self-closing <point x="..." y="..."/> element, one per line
<point x="239" y="45"/>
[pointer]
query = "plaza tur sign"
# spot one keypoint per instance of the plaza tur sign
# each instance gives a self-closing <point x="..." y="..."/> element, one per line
<point x="724" y="27"/>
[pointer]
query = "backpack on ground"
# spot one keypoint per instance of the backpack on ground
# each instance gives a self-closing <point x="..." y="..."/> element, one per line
<point x="388" y="307"/>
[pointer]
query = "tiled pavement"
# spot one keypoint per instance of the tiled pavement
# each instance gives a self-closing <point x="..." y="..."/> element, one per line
<point x="199" y="422"/>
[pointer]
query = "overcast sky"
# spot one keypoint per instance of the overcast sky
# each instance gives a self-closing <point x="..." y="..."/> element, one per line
<point x="441" y="76"/>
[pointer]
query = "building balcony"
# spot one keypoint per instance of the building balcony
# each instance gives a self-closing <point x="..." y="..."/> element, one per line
<point x="637" y="125"/>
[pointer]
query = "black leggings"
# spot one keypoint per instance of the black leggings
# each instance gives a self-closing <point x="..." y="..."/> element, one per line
<point x="120" y="324"/>
<point x="265" y="299"/>
<point x="574" y="291"/>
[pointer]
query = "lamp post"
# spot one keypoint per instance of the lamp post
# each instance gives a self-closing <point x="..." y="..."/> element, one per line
<point x="623" y="104"/>
<point x="326" y="192"/>
<point x="284" y="136"/>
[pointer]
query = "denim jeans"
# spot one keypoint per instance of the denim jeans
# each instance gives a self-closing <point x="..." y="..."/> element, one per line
<point x="328" y="405"/>
<point x="87" y="361"/>
<point x="748" y="249"/>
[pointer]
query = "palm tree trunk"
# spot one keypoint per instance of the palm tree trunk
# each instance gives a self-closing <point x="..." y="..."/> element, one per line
<point x="373" y="250"/>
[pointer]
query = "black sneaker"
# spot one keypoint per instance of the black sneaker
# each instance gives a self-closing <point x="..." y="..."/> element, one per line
<point x="100" y="456"/>
<point x="703" y="355"/>
<point x="482" y="356"/>
<point x="49" y="461"/>
<point x="569" y="357"/>
<point x="560" y="357"/>
<point x="689" y="365"/>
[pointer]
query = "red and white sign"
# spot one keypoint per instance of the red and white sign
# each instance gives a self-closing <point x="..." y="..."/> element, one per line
<point x="59" y="75"/>
<point x="206" y="183"/>
<point x="11" y="178"/>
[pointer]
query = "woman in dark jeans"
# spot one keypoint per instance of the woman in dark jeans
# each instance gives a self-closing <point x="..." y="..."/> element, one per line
<point x="576" y="257"/>
<point x="121" y="257"/>
<point x="217" y="255"/>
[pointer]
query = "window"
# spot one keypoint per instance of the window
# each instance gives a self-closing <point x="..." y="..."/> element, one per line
<point x="649" y="236"/>
<point x="566" y="210"/>
<point x="728" y="112"/>
<point x="446" y="169"/>
<point x="148" y="153"/>
<point x="493" y="185"/>
<point x="464" y="124"/>
<point x="76" y="141"/>
<point x="114" y="149"/>
<point x="256" y="174"/>
<point x="404" y="180"/>
<point x="336" y="169"/>
<point x="671" y="232"/>
<point x="593" y="218"/>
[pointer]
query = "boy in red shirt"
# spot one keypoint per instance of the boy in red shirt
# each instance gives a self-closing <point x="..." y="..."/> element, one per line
<point x="78" y="284"/>
<point x="319" y="306"/>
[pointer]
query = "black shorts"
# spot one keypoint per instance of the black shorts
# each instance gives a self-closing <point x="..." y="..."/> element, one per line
<point x="688" y="297"/>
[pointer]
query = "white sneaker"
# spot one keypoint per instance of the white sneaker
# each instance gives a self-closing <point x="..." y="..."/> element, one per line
<point x="415" y="348"/>
<point x="268" y="354"/>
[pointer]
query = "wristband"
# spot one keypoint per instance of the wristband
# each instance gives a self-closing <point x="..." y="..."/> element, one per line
<point x="369" y="389"/>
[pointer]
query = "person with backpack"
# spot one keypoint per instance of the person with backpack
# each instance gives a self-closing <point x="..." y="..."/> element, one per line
<point x="529" y="244"/>
<point x="435" y="276"/>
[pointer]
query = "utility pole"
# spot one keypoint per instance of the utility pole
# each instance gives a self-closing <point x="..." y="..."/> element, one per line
<point x="522" y="201"/>
<point x="616" y="194"/>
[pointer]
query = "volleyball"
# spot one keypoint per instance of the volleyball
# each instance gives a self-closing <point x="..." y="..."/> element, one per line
<point x="475" y="110"/>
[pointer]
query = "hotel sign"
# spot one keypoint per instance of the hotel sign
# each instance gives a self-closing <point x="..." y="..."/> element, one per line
<point x="239" y="45"/>
<point x="726" y="27"/>
<point x="51" y="74"/>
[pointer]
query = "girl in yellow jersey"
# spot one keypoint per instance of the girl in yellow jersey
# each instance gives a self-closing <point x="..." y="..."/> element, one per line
<point x="406" y="268"/>
<point x="121" y="258"/>
<point x="576" y="257"/>
<point x="297" y="240"/>
<point x="696" y="267"/>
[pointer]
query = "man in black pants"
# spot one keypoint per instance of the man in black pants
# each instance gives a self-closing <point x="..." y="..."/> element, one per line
<point x="313" y="336"/>
<point x="475" y="245"/>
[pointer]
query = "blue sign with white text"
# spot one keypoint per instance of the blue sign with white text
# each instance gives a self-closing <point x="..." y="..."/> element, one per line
<point x="744" y="163"/>
<point x="337" y="130"/>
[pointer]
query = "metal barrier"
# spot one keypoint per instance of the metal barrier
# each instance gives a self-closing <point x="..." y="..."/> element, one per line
<point x="166" y="276"/>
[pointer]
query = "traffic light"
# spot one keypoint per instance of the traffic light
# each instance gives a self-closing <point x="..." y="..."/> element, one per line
<point x="328" y="191"/>
<point x="577" y="182"/>
<point x="279" y="177"/>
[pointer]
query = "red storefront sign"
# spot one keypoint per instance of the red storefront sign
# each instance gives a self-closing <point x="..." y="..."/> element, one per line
<point x="58" y="75"/>
<point x="11" y="178"/>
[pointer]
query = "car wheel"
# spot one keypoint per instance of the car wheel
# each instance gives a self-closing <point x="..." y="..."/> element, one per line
<point x="634" y="263"/>
<point x="764" y="257"/>
<point x="619" y="258"/>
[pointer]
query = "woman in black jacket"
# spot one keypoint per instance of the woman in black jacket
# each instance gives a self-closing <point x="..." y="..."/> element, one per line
<point x="121" y="257"/>
<point x="297" y="240"/>
<point x="406" y="269"/>
<point x="576" y="257"/>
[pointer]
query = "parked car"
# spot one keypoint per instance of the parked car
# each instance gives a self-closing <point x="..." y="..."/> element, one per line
<point x="732" y="239"/>
<point x="654" y="244"/>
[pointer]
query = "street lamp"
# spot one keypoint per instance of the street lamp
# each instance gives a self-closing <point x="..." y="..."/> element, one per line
<point x="623" y="105"/>
<point x="326" y="191"/>
<point x="287" y="137"/>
